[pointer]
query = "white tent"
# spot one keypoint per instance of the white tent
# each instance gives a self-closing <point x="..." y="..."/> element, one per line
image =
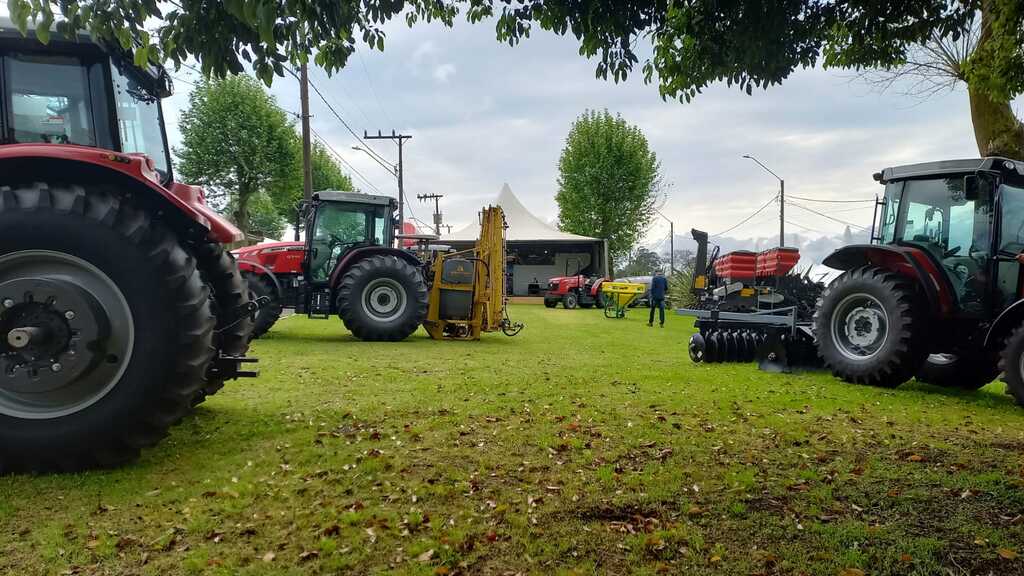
<point x="522" y="225"/>
<point x="539" y="251"/>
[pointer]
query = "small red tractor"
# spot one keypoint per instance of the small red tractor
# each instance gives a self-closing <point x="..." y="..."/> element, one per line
<point x="348" y="266"/>
<point x="575" y="291"/>
<point x="938" y="294"/>
<point x="119" y="307"/>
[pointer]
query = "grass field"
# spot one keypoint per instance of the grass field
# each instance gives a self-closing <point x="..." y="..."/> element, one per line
<point x="583" y="445"/>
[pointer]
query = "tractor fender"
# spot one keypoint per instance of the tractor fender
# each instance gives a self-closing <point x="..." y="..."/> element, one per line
<point x="358" y="254"/>
<point x="596" y="288"/>
<point x="254" y="267"/>
<point x="1005" y="323"/>
<point x="907" y="261"/>
<point x="130" y="172"/>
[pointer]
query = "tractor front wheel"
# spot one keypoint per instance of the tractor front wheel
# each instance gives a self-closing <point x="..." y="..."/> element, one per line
<point x="231" y="297"/>
<point x="106" y="326"/>
<point x="382" y="298"/>
<point x="1012" y="365"/>
<point x="869" y="328"/>
<point x="264" y="291"/>
<point x="550" y="302"/>
<point x="570" y="301"/>
<point x="968" y="372"/>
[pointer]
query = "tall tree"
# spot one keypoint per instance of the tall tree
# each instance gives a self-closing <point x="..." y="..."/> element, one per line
<point x="327" y="175"/>
<point x="641" y="262"/>
<point x="749" y="43"/>
<point x="608" y="181"/>
<point x="238" y="144"/>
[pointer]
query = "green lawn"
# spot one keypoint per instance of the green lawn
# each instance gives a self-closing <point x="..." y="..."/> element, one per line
<point x="583" y="445"/>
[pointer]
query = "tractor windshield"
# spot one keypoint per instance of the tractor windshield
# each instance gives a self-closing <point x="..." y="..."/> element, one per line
<point x="139" y="119"/>
<point x="936" y="216"/>
<point x="339" y="227"/>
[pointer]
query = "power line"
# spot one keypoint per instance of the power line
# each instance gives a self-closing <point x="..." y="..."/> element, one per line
<point x="748" y="218"/>
<point x="823" y="215"/>
<point x="373" y="90"/>
<point x="330" y="107"/>
<point x="830" y="201"/>
<point x="807" y="228"/>
<point x="343" y="161"/>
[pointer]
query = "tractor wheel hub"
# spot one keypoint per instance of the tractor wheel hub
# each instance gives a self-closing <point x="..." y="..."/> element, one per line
<point x="859" y="326"/>
<point x="66" y="334"/>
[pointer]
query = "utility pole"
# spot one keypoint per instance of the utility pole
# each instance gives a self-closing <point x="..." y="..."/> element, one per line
<point x="400" y="139"/>
<point x="782" y="199"/>
<point x="671" y="243"/>
<point x="437" y="209"/>
<point x="307" y="152"/>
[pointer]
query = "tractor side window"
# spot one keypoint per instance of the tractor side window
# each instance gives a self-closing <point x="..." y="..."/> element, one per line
<point x="338" y="228"/>
<point x="1011" y="240"/>
<point x="49" y="100"/>
<point x="138" y="120"/>
<point x="893" y="194"/>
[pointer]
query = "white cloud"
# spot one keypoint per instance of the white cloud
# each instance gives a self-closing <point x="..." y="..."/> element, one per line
<point x="444" y="71"/>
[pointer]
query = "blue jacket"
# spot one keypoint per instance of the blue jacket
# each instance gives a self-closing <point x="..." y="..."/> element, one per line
<point x="659" y="287"/>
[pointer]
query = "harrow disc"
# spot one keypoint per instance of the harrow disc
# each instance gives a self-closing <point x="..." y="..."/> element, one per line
<point x="697" y="348"/>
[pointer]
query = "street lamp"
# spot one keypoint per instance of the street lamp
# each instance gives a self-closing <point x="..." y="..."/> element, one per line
<point x="782" y="199"/>
<point x="671" y="242"/>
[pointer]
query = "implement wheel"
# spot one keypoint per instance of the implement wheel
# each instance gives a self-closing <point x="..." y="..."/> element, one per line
<point x="382" y="298"/>
<point x="870" y="329"/>
<point x="969" y="372"/>
<point x="106" y="327"/>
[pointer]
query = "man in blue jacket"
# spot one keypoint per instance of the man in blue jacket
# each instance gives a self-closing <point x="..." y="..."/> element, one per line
<point x="659" y="288"/>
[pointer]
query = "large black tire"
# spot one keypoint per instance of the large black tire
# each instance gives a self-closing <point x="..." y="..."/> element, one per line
<point x="550" y="302"/>
<point x="141" y="271"/>
<point x="1011" y="363"/>
<point x="230" y="293"/>
<point x="382" y="298"/>
<point x="600" y="301"/>
<point x="263" y="289"/>
<point x="886" y="347"/>
<point x="968" y="372"/>
<point x="570" y="300"/>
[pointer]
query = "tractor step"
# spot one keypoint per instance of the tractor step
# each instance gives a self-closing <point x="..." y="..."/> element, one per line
<point x="226" y="367"/>
<point x="319" y="305"/>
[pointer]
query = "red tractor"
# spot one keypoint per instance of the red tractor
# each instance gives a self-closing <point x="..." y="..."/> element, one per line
<point x="939" y="293"/>
<point x="572" y="291"/>
<point x="119" y="307"/>
<point x="347" y="266"/>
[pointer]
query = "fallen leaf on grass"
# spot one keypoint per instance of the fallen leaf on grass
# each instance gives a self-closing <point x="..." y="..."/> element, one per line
<point x="309" y="555"/>
<point x="915" y="458"/>
<point x="851" y="572"/>
<point x="269" y="557"/>
<point x="906" y="558"/>
<point x="332" y="530"/>
<point x="695" y="511"/>
<point x="1006" y="553"/>
<point x="442" y="571"/>
<point x="426" y="556"/>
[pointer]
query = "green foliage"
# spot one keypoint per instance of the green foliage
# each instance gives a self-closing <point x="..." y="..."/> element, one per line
<point x="240" y="145"/>
<point x="608" y="181"/>
<point x="749" y="43"/>
<point x="640" y="262"/>
<point x="997" y="65"/>
<point x="327" y="175"/>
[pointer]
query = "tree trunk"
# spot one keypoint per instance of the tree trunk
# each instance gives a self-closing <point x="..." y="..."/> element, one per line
<point x="242" y="212"/>
<point x="997" y="131"/>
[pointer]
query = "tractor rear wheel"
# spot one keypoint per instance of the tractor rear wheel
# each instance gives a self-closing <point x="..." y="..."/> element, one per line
<point x="106" y="330"/>
<point x="382" y="298"/>
<point x="870" y="329"/>
<point x="569" y="301"/>
<point x="969" y="372"/>
<point x="263" y="290"/>
<point x="230" y="297"/>
<point x="1012" y="365"/>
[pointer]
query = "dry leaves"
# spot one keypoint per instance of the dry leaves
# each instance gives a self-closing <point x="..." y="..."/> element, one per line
<point x="1006" y="554"/>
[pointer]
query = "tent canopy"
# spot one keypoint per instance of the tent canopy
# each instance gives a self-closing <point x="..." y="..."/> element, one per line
<point x="523" y="226"/>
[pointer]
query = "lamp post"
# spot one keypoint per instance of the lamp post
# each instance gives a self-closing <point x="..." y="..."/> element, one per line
<point x="671" y="242"/>
<point x="782" y="199"/>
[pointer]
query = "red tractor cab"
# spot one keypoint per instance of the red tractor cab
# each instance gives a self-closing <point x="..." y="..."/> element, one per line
<point x="939" y="292"/>
<point x="119" y="307"/>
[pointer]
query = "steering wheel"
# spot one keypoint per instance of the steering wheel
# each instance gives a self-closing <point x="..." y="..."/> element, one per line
<point x="951" y="252"/>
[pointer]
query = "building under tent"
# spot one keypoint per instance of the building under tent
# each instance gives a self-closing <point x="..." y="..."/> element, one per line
<point x="537" y="250"/>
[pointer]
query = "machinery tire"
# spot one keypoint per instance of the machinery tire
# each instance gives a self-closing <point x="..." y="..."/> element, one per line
<point x="382" y="298"/>
<point x="951" y="371"/>
<point x="229" y="292"/>
<point x="140" y="292"/>
<point x="1011" y="363"/>
<point x="886" y="348"/>
<point x="570" y="301"/>
<point x="260" y="285"/>
<point x="600" y="301"/>
<point x="549" y="303"/>
<point x="586" y="305"/>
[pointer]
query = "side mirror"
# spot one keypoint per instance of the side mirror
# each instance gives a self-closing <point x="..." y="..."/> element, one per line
<point x="972" y="187"/>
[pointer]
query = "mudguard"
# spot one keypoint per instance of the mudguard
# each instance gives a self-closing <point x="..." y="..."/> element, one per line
<point x="908" y="261"/>
<point x="188" y="200"/>
<point x="358" y="254"/>
<point x="1005" y="323"/>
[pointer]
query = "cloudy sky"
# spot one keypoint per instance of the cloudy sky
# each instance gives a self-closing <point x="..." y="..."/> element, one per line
<point x="482" y="113"/>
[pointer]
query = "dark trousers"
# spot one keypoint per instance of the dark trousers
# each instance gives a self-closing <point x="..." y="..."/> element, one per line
<point x="658" y="303"/>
